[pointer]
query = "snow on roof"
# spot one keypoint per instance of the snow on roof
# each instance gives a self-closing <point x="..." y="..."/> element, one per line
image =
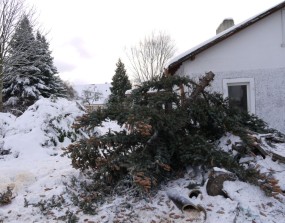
<point x="174" y="63"/>
<point x="129" y="91"/>
<point x="103" y="89"/>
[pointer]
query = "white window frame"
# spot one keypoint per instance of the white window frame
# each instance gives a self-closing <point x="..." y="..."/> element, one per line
<point x="249" y="82"/>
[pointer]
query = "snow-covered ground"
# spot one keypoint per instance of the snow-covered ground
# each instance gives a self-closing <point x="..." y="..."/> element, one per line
<point x="38" y="176"/>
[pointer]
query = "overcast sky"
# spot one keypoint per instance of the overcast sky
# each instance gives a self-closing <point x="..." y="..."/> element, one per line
<point x="88" y="36"/>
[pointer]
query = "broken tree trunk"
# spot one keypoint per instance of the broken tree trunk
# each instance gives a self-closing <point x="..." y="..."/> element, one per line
<point x="278" y="157"/>
<point x="266" y="149"/>
<point x="203" y="83"/>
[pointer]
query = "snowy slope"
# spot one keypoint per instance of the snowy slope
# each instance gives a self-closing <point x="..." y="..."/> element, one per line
<point x="38" y="176"/>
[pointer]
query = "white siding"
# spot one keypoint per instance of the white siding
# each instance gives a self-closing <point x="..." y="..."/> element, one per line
<point x="257" y="46"/>
<point x="269" y="85"/>
<point x="255" y="52"/>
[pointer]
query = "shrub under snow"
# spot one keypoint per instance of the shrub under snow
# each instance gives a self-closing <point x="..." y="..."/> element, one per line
<point x="47" y="123"/>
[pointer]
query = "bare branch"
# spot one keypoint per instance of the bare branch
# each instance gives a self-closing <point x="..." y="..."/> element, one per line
<point x="148" y="58"/>
<point x="10" y="13"/>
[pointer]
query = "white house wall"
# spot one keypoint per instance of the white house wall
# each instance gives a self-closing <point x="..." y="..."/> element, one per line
<point x="255" y="52"/>
<point x="269" y="92"/>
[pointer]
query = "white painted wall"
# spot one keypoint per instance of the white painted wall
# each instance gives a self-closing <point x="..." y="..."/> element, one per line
<point x="255" y="52"/>
<point x="269" y="86"/>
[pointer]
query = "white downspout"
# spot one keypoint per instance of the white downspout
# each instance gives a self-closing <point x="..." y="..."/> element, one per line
<point x="283" y="27"/>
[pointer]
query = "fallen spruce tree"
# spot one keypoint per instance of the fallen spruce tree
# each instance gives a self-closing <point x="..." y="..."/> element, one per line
<point x="169" y="124"/>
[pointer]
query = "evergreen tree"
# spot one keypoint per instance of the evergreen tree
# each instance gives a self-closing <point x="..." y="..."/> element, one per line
<point x="71" y="92"/>
<point x="120" y="84"/>
<point x="30" y="73"/>
<point x="21" y="77"/>
<point x="44" y="62"/>
<point x="161" y="140"/>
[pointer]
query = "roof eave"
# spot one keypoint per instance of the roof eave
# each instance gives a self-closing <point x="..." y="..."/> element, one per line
<point x="173" y="67"/>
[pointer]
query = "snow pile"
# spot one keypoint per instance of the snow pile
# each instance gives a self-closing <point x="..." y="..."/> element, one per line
<point x="251" y="204"/>
<point x="34" y="140"/>
<point x="39" y="177"/>
<point x="5" y="121"/>
<point x="44" y="124"/>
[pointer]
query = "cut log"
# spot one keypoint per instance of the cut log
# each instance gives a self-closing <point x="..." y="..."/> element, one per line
<point x="275" y="139"/>
<point x="278" y="157"/>
<point x="269" y="149"/>
<point x="261" y="150"/>
<point x="216" y="180"/>
<point x="184" y="204"/>
<point x="194" y="193"/>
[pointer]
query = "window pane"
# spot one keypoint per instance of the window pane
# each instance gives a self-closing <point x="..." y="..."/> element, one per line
<point x="238" y="97"/>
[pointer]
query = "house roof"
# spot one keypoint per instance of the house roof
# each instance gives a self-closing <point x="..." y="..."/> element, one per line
<point x="173" y="65"/>
<point x="103" y="89"/>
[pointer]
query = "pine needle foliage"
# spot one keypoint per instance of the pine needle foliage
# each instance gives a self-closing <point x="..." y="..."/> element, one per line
<point x="120" y="84"/>
<point x="29" y="73"/>
<point x="164" y="131"/>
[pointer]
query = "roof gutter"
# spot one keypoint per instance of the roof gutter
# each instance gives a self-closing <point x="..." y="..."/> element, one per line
<point x="173" y="67"/>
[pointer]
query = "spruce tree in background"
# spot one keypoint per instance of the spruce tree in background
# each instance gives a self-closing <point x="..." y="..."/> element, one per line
<point x="10" y="13"/>
<point x="48" y="71"/>
<point x="21" y="77"/>
<point x="71" y="93"/>
<point x="120" y="84"/>
<point x="44" y="63"/>
<point x="30" y="73"/>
